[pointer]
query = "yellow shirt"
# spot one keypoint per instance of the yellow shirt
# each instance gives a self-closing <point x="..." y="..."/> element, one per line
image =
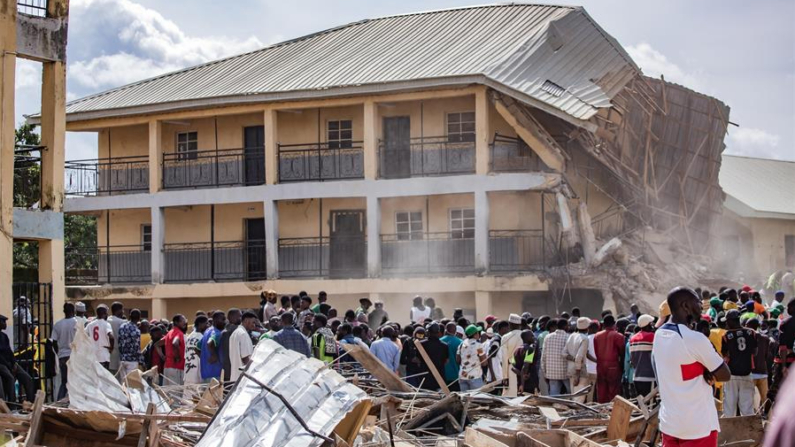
<point x="145" y="339"/>
<point x="716" y="337"/>
<point x="728" y="305"/>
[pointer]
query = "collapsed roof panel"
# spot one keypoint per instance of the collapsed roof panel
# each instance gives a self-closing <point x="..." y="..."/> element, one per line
<point x="253" y="416"/>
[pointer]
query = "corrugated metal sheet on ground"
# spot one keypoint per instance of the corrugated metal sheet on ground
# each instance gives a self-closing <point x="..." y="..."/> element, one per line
<point x="519" y="46"/>
<point x="764" y="185"/>
<point x="251" y="416"/>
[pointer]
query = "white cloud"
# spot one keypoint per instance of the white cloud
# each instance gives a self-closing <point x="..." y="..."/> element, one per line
<point x="653" y="63"/>
<point x="753" y="142"/>
<point x="134" y="42"/>
<point x="28" y="74"/>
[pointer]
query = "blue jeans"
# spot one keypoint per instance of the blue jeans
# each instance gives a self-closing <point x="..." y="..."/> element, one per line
<point x="557" y="386"/>
<point x="469" y="385"/>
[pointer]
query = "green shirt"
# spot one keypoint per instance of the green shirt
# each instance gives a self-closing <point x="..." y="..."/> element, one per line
<point x="451" y="368"/>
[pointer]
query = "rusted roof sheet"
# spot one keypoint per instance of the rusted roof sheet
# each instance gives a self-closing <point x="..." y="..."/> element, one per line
<point x="554" y="57"/>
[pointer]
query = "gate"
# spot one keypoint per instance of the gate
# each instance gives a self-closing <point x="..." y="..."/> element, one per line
<point x="32" y="328"/>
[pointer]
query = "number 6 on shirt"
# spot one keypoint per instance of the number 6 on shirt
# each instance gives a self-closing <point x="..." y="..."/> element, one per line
<point x="96" y="333"/>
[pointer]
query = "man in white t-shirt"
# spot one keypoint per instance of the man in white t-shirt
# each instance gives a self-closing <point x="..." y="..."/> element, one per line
<point x="687" y="365"/>
<point x="240" y="345"/>
<point x="100" y="333"/>
<point x="590" y="360"/>
<point x="193" y="351"/>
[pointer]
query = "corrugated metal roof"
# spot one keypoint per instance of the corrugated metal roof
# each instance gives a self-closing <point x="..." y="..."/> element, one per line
<point x="764" y="185"/>
<point x="514" y="47"/>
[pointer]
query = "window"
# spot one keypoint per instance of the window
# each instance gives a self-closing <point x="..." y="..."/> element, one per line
<point x="340" y="134"/>
<point x="462" y="223"/>
<point x="460" y="127"/>
<point x="146" y="237"/>
<point x="188" y="143"/>
<point x="408" y="225"/>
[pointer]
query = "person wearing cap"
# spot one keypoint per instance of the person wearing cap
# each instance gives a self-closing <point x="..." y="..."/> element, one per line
<point x="739" y="347"/>
<point x="640" y="346"/>
<point x="100" y="333"/>
<point x="419" y="312"/>
<point x="10" y="372"/>
<point x="490" y="319"/>
<point x="510" y="342"/>
<point x="471" y="356"/>
<point x="364" y="306"/>
<point x="270" y="298"/>
<point x="686" y="364"/>
<point x="63" y="333"/>
<point x="452" y="368"/>
<point x="715" y="307"/>
<point x="80" y="314"/>
<point x="378" y="316"/>
<point x="576" y="351"/>
<point x="747" y="312"/>
<point x="610" y="350"/>
<point x="778" y="298"/>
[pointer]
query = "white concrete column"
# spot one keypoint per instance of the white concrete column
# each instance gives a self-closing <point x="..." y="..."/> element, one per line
<point x="155" y="154"/>
<point x="481" y="231"/>
<point x="271" y="123"/>
<point x="373" y="237"/>
<point x="158" y="240"/>
<point x="271" y="238"/>
<point x="370" y="142"/>
<point x="482" y="132"/>
<point x="159" y="310"/>
<point x="483" y="304"/>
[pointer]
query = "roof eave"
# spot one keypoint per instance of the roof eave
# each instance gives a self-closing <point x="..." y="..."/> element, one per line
<point x="742" y="209"/>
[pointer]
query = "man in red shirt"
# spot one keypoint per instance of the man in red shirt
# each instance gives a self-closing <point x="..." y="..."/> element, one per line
<point x="609" y="347"/>
<point x="174" y="370"/>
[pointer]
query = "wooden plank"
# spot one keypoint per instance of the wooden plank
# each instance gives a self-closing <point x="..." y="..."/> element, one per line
<point x="475" y="438"/>
<point x="389" y="379"/>
<point x="571" y="423"/>
<point x="36" y="423"/>
<point x="150" y="410"/>
<point x="432" y="368"/>
<point x="618" y="425"/>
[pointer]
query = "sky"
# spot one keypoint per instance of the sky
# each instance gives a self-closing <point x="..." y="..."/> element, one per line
<point x="741" y="52"/>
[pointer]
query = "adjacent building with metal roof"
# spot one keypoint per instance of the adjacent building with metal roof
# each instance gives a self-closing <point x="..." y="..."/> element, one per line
<point x="759" y="187"/>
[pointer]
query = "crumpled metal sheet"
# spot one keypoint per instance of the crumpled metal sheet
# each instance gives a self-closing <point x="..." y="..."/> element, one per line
<point x="253" y="417"/>
<point x="92" y="387"/>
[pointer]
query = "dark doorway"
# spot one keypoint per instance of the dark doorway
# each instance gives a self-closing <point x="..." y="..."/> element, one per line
<point x="348" y="256"/>
<point x="396" y="159"/>
<point x="255" y="249"/>
<point x="254" y="155"/>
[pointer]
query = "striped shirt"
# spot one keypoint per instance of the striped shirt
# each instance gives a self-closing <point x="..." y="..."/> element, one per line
<point x="640" y="346"/>
<point x="553" y="357"/>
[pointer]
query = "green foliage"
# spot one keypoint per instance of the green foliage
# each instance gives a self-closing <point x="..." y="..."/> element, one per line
<point x="27" y="168"/>
<point x="80" y="231"/>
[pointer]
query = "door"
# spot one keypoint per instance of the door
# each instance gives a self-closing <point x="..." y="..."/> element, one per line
<point x="254" y="155"/>
<point x="348" y="252"/>
<point x="396" y="160"/>
<point x="255" y="249"/>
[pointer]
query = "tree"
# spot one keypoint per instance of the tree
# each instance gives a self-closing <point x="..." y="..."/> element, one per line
<point x="27" y="166"/>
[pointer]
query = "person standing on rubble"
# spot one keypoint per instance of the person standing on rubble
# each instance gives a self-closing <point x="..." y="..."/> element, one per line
<point x="63" y="333"/>
<point x="101" y="335"/>
<point x="640" y="346"/>
<point x="471" y="356"/>
<point x="576" y="350"/>
<point x="324" y="345"/>
<point x="386" y="350"/>
<point x="739" y="348"/>
<point x="174" y="344"/>
<point x="411" y="358"/>
<point x="234" y="317"/>
<point x="129" y="345"/>
<point x="686" y="365"/>
<point x="609" y="346"/>
<point x="116" y="320"/>
<point x="438" y="352"/>
<point x="510" y="342"/>
<point x="193" y="350"/>
<point x="494" y="371"/>
<point x="452" y="367"/>
<point x="210" y="358"/>
<point x="290" y="338"/>
<point x="553" y="358"/>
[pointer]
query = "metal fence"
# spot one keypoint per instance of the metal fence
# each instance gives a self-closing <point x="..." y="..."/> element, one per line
<point x="107" y="176"/>
<point x="516" y="250"/>
<point x="36" y="8"/>
<point x="27" y="175"/>
<point x="426" y="254"/>
<point x="510" y="154"/>
<point x="32" y="326"/>
<point x="211" y="168"/>
<point x="426" y="156"/>
<point x="125" y="264"/>
<point x="609" y="223"/>
<point x="320" y="257"/>
<point x="215" y="261"/>
<point x="320" y="161"/>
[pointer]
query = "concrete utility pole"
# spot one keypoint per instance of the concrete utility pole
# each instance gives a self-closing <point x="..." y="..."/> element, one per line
<point x="34" y="30"/>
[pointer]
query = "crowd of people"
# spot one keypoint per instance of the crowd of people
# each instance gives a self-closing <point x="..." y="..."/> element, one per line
<point x="739" y="344"/>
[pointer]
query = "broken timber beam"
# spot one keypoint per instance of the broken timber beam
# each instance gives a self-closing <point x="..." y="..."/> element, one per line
<point x="619" y="418"/>
<point x="36" y="423"/>
<point x="432" y="367"/>
<point x="389" y="379"/>
<point x="531" y="131"/>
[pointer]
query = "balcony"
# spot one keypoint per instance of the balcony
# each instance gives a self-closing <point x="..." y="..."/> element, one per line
<point x="214" y="168"/>
<point x="323" y="257"/>
<point x="516" y="250"/>
<point x="510" y="154"/>
<point x="312" y="162"/>
<point x="425" y="156"/>
<point x="119" y="264"/>
<point x="215" y="261"/>
<point x="107" y="176"/>
<point x="427" y="253"/>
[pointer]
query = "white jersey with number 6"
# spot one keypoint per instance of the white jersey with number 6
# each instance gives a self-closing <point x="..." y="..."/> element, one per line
<point x="97" y="332"/>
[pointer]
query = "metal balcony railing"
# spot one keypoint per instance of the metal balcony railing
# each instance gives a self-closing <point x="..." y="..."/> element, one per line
<point x="427" y="253"/>
<point x="213" y="168"/>
<point x="320" y="161"/>
<point x="516" y="250"/>
<point x="215" y="261"/>
<point x="107" y="176"/>
<point x="425" y="156"/>
<point x="124" y="264"/>
<point x="322" y="257"/>
<point x="510" y="154"/>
